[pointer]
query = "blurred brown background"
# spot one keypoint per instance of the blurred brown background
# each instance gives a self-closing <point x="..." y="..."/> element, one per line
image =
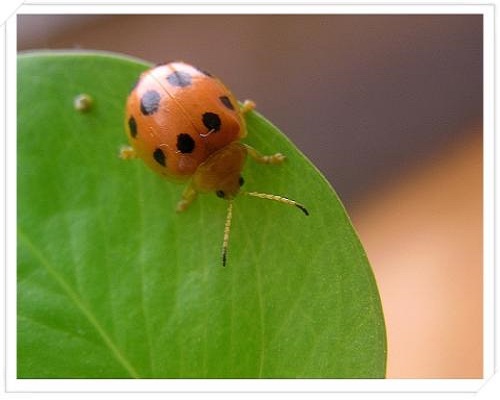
<point x="389" y="108"/>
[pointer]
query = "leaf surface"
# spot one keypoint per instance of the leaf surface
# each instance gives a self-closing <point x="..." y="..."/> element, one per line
<point x="112" y="283"/>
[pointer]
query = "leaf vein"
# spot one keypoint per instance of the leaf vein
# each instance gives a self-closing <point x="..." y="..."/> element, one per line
<point x="80" y="304"/>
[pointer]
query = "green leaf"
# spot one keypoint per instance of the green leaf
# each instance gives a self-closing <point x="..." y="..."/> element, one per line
<point x="112" y="283"/>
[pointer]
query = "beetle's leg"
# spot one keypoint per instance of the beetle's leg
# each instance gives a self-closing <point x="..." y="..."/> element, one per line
<point x="127" y="152"/>
<point x="188" y="196"/>
<point x="248" y="105"/>
<point x="277" y="158"/>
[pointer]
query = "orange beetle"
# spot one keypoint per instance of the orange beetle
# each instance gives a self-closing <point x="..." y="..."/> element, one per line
<point x="186" y="125"/>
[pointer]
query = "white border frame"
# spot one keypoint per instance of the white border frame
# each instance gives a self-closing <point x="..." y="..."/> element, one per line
<point x="289" y="386"/>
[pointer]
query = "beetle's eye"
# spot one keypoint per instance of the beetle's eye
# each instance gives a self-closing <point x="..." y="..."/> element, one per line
<point x="241" y="181"/>
<point x="220" y="193"/>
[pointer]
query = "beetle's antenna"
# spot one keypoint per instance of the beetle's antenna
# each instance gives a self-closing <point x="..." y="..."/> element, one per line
<point x="279" y="199"/>
<point x="227" y="229"/>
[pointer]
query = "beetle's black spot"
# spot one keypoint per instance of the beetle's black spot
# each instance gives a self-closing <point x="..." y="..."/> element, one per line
<point x="211" y="121"/>
<point x="220" y="193"/>
<point x="241" y="181"/>
<point x="160" y="157"/>
<point x="227" y="102"/>
<point x="132" y="126"/>
<point x="179" y="78"/>
<point x="185" y="143"/>
<point x="150" y="102"/>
